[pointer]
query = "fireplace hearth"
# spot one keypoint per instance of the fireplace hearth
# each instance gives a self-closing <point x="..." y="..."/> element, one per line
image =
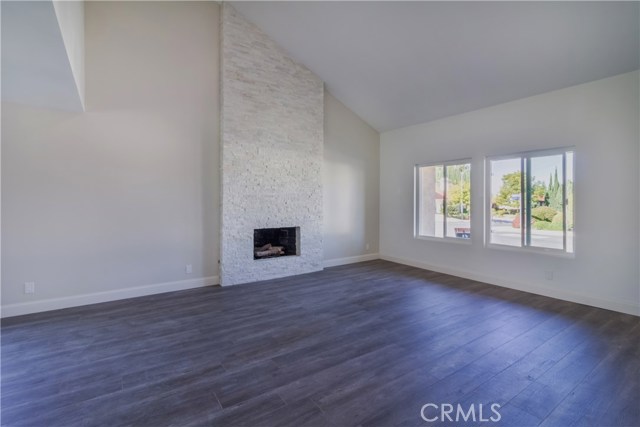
<point x="276" y="242"/>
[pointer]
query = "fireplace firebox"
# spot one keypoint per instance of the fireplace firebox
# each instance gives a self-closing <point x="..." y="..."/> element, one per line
<point x="276" y="242"/>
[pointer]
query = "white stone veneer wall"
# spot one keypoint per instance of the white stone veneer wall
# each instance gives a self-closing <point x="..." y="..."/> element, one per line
<point x="272" y="141"/>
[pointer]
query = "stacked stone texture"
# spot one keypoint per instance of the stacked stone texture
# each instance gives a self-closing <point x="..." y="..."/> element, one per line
<point x="272" y="141"/>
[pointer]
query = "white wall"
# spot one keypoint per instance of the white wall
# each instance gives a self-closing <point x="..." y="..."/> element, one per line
<point x="601" y="119"/>
<point x="126" y="194"/>
<point x="70" y="16"/>
<point x="350" y="185"/>
<point x="114" y="202"/>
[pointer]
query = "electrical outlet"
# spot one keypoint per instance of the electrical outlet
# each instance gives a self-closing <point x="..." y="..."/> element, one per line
<point x="548" y="275"/>
<point x="366" y="247"/>
<point x="29" y="287"/>
<point x="188" y="269"/>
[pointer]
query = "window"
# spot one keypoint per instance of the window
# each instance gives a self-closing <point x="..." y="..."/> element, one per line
<point x="532" y="200"/>
<point x="443" y="200"/>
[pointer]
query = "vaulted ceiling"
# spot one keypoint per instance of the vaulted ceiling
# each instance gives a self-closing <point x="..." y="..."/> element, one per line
<point x="36" y="67"/>
<point x="402" y="63"/>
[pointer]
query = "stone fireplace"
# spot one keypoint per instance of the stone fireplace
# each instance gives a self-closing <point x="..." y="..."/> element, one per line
<point x="272" y="118"/>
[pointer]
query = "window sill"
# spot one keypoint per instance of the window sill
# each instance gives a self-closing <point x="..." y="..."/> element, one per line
<point x="538" y="251"/>
<point x="456" y="240"/>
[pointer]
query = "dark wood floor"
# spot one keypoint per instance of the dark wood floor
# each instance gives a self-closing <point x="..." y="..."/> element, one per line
<point x="366" y="344"/>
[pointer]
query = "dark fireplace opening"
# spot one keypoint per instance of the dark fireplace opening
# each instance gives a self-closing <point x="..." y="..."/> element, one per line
<point x="276" y="242"/>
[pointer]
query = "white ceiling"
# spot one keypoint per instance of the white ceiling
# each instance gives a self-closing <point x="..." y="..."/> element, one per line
<point x="402" y="63"/>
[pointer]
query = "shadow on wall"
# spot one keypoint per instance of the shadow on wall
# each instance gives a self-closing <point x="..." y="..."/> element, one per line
<point x="344" y="208"/>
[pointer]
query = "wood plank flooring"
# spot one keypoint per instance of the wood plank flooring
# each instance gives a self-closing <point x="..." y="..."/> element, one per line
<point x="366" y="345"/>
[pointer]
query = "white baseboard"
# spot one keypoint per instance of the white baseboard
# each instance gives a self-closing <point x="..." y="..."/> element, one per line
<point x="547" y="291"/>
<point x="349" y="260"/>
<point x="97" y="297"/>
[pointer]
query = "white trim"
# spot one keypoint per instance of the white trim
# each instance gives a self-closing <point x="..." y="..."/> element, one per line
<point x="444" y="239"/>
<point x="349" y="260"/>
<point x="622" y="307"/>
<point x="417" y="196"/>
<point x="532" y="250"/>
<point x="19" y="309"/>
<point x="526" y="156"/>
<point x="532" y="153"/>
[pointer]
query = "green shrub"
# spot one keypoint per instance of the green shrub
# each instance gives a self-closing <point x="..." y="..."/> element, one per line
<point x="543" y="213"/>
<point x="544" y="225"/>
<point x="453" y="211"/>
<point x="557" y="219"/>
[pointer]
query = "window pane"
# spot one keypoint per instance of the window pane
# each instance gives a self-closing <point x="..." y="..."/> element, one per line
<point x="569" y="208"/>
<point x="505" y="202"/>
<point x="546" y="202"/>
<point x="458" y="196"/>
<point x="430" y="201"/>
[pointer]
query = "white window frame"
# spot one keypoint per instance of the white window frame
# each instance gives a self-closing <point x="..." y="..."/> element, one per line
<point x="417" y="194"/>
<point x="525" y="166"/>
